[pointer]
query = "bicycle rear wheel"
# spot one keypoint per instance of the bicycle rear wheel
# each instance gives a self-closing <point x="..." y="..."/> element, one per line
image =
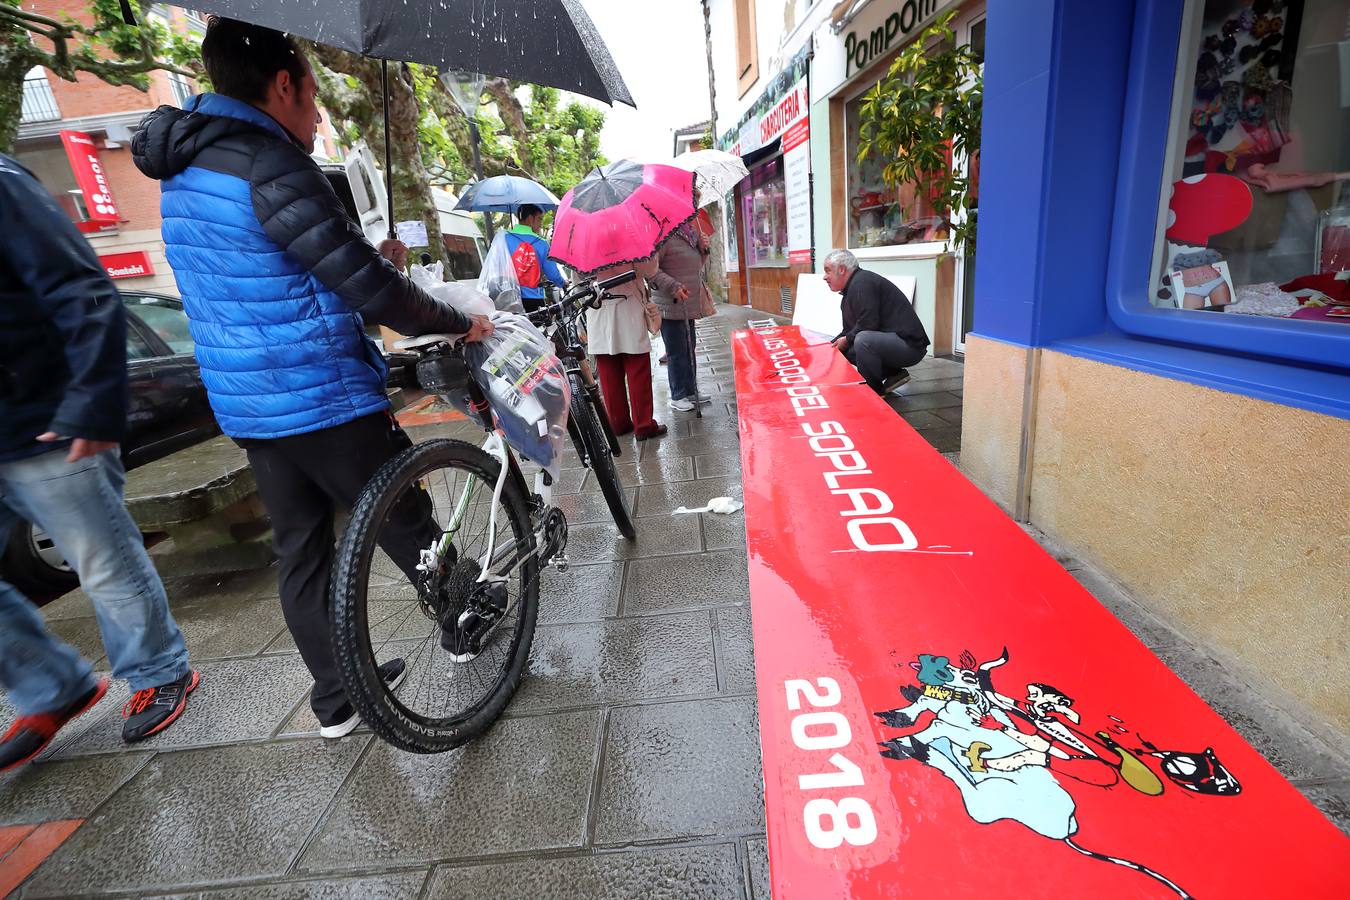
<point x="436" y="496"/>
<point x="601" y="462"/>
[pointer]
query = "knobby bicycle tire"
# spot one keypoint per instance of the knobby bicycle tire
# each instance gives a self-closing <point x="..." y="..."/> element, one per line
<point x="389" y="719"/>
<point x="587" y="423"/>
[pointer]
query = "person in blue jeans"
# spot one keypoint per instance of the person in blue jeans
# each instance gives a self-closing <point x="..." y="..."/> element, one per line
<point x="677" y="290"/>
<point x="63" y="410"/>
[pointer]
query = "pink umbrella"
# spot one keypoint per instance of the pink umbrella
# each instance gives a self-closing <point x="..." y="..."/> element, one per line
<point x="621" y="213"/>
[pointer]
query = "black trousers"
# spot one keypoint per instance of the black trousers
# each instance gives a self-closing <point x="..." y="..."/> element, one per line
<point x="301" y="480"/>
<point x="881" y="354"/>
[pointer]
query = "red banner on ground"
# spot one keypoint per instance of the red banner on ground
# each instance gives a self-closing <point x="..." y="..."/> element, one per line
<point x="775" y="357"/>
<point x="943" y="709"/>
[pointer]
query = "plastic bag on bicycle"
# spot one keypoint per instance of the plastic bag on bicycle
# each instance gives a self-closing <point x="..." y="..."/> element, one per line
<point x="518" y="370"/>
<point x="467" y="300"/>
<point x="498" y="277"/>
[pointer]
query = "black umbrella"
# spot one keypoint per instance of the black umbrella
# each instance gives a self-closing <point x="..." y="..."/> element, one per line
<point x="546" y="42"/>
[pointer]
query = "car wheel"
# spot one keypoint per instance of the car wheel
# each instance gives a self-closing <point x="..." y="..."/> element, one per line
<point x="32" y="563"/>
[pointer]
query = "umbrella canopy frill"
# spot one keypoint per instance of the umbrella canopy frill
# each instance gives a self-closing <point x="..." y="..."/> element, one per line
<point x="506" y="193"/>
<point x="621" y="214"/>
<point x="546" y="42"/>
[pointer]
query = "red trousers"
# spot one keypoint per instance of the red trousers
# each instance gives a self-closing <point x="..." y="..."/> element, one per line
<point x="626" y="379"/>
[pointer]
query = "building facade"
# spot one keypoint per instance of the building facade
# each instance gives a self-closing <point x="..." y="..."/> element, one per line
<point x="1159" y="372"/>
<point x="76" y="137"/>
<point x="788" y="82"/>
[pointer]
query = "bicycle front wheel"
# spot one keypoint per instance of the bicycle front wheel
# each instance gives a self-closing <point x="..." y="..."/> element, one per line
<point x="601" y="461"/>
<point x="463" y="638"/>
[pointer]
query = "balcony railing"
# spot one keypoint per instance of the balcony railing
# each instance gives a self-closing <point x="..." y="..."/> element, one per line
<point x="38" y="103"/>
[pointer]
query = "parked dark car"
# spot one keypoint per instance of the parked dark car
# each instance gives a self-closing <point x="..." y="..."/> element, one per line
<point x="168" y="412"/>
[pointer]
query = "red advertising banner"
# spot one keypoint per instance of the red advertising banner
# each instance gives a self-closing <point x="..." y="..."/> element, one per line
<point x="89" y="175"/>
<point x="782" y="357"/>
<point x="944" y="710"/>
<point x="798" y="133"/>
<point x="127" y="265"/>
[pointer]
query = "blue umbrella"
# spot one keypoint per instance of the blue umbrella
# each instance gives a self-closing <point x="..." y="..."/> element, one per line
<point x="506" y="193"/>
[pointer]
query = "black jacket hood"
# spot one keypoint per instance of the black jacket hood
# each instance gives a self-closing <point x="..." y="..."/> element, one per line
<point x="170" y="138"/>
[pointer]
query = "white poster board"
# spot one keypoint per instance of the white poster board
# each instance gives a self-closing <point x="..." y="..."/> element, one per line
<point x="816" y="308"/>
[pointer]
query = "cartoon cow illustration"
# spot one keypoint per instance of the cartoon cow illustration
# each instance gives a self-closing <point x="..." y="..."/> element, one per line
<point x="957" y="723"/>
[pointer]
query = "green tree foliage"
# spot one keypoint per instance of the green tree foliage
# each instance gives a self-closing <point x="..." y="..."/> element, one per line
<point x="99" y="44"/>
<point x="922" y="116"/>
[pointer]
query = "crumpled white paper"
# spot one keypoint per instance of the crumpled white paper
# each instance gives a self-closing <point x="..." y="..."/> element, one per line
<point x="724" y="505"/>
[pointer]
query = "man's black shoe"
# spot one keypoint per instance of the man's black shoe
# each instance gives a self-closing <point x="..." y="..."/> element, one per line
<point x="890" y="384"/>
<point x="28" y="735"/>
<point x="152" y="710"/>
<point x="344" y="723"/>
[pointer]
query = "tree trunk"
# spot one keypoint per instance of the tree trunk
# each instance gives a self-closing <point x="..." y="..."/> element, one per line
<point x="412" y="198"/>
<point x="15" y="61"/>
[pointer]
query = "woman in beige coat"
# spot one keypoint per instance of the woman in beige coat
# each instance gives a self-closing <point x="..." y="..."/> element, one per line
<point x="619" y="341"/>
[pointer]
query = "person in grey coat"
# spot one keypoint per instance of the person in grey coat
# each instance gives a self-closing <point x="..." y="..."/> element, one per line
<point x="678" y="287"/>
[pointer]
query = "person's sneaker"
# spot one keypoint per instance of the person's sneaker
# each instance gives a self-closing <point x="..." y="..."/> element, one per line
<point x="890" y="384"/>
<point x="344" y="723"/>
<point x="152" y="710"/>
<point x="28" y="735"/>
<point x="664" y="359"/>
<point x="682" y="405"/>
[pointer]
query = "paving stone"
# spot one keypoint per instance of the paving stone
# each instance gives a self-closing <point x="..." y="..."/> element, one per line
<point x="237" y="700"/>
<point x="905" y="403"/>
<point x="1333" y="799"/>
<point x="715" y="464"/>
<point x="684" y="873"/>
<point x="1289" y="747"/>
<point x="681" y="770"/>
<point x="663" y="499"/>
<point x="686" y="582"/>
<point x="617" y="661"/>
<point x="73" y="605"/>
<point x="656" y="470"/>
<point x="229" y="627"/>
<point x="589" y="509"/>
<point x="723" y="532"/>
<point x="949" y="414"/>
<point x="944" y="440"/>
<point x="695" y="445"/>
<point x="44" y="792"/>
<point x="569" y="481"/>
<point x="736" y="648"/>
<point x="760" y="885"/>
<point x="931" y="386"/>
<point x="655" y="537"/>
<point x="521" y="786"/>
<point x="581" y="594"/>
<point x="924" y="419"/>
<point x="200" y="816"/>
<point x="396" y="886"/>
<point x="82" y="634"/>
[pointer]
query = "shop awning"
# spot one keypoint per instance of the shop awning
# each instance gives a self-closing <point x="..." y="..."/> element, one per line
<point x="762" y="153"/>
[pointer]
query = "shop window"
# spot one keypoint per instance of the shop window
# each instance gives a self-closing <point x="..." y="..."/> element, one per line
<point x="747" y="47"/>
<point x="878" y="215"/>
<point x="1255" y="208"/>
<point x="764" y="212"/>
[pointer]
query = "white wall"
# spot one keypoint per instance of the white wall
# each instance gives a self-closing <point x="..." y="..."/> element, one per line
<point x="776" y="45"/>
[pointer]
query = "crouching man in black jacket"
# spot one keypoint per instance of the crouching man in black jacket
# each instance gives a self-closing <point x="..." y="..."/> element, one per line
<point x="882" y="333"/>
<point x="63" y="410"/>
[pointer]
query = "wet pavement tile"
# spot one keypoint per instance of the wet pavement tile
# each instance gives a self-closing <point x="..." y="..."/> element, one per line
<point x="905" y="403"/>
<point x="680" y="873"/>
<point x="395" y="886"/>
<point x="944" y="440"/>
<point x="663" y="499"/>
<point x="522" y="786"/>
<point x="949" y="414"/>
<point x="655" y="470"/>
<point x="735" y="648"/>
<point x="760" y="886"/>
<point x="681" y="770"/>
<point x="616" y="661"/>
<point x="723" y="532"/>
<point x="924" y="419"/>
<point x="686" y="582"/>
<point x="658" y="536"/>
<point x="215" y="629"/>
<point x="695" y="445"/>
<point x="237" y="700"/>
<point x="919" y="387"/>
<point x="715" y="464"/>
<point x="83" y="635"/>
<point x="68" y="789"/>
<point x="200" y="816"/>
<point x="581" y="594"/>
<point x="589" y="509"/>
<point x="1333" y="799"/>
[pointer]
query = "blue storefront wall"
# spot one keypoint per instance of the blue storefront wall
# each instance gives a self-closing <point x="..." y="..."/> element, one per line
<point x="1077" y="104"/>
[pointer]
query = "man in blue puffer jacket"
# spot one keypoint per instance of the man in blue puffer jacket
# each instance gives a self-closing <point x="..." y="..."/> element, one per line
<point x="276" y="280"/>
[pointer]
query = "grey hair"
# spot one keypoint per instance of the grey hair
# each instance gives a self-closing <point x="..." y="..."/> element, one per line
<point x="842" y="259"/>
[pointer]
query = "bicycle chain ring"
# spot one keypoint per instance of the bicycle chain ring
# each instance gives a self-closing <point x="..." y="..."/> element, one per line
<point x="555" y="538"/>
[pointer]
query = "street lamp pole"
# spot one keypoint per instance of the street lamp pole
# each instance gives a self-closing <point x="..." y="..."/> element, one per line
<point x="467" y="90"/>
